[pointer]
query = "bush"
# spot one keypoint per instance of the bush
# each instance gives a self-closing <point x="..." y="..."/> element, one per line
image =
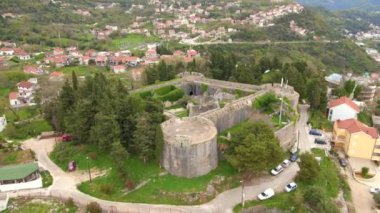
<point x="129" y="184"/>
<point x="106" y="189"/>
<point x="173" y="95"/>
<point x="93" y="207"/>
<point x="266" y="102"/>
<point x="318" y="200"/>
<point x="164" y="90"/>
<point x="69" y="203"/>
<point x="146" y="94"/>
<point x="309" y="168"/>
<point x="93" y="155"/>
<point x="365" y="171"/>
<point x="376" y="197"/>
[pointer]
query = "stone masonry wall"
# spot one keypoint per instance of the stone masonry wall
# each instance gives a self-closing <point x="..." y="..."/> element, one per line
<point x="191" y="161"/>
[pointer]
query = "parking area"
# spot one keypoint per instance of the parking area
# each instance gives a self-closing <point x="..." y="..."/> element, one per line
<point x="318" y="138"/>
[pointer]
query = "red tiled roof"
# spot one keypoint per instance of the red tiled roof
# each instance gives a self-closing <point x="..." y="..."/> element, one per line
<point x="353" y="126"/>
<point x="6" y="49"/>
<point x="13" y="95"/>
<point x="56" y="74"/>
<point x="30" y="69"/>
<point x="25" y="84"/>
<point x="344" y="100"/>
<point x="119" y="67"/>
<point x="192" y="52"/>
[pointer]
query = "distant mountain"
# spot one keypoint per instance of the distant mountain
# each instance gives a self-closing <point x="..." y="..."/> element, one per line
<point x="342" y="4"/>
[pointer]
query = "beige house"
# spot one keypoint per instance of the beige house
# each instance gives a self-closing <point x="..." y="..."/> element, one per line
<point x="357" y="139"/>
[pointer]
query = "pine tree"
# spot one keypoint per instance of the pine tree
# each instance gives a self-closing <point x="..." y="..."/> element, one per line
<point x="105" y="131"/>
<point x="143" y="138"/>
<point x="119" y="155"/>
<point x="159" y="144"/>
<point x="74" y="80"/>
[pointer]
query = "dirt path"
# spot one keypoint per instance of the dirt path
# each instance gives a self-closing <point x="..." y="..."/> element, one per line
<point x="361" y="197"/>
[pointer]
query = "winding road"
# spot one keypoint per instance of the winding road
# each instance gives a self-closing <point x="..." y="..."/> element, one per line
<point x="65" y="185"/>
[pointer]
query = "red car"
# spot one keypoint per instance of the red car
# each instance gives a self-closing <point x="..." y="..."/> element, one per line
<point x="67" y="137"/>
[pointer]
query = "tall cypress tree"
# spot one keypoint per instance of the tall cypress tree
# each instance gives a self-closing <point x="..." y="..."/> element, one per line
<point x="75" y="80"/>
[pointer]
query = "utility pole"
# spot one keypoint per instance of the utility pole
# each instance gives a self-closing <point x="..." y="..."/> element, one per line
<point x="282" y="102"/>
<point x="242" y="192"/>
<point x="88" y="167"/>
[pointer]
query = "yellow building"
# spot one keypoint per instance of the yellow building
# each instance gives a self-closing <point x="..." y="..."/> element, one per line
<point x="357" y="139"/>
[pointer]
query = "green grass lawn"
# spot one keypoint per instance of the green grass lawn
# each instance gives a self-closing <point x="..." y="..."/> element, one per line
<point x="21" y="113"/>
<point x="81" y="70"/>
<point x="137" y="172"/>
<point x="328" y="180"/>
<point x="27" y="205"/>
<point x="15" y="157"/>
<point x="132" y="41"/>
<point x="47" y="179"/>
<point x="26" y="130"/>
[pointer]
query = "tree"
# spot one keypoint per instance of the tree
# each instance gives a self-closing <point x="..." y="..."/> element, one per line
<point x="254" y="149"/>
<point x="105" y="131"/>
<point x="318" y="200"/>
<point x="143" y="138"/>
<point x="309" y="168"/>
<point x="159" y="144"/>
<point x="119" y="155"/>
<point x="74" y="80"/>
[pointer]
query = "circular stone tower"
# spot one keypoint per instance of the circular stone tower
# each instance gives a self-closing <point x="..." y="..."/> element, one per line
<point x="190" y="148"/>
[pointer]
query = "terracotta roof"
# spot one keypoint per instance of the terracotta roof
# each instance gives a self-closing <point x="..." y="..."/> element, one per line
<point x="344" y="100"/>
<point x="25" y="84"/>
<point x="30" y="69"/>
<point x="13" y="95"/>
<point x="353" y="126"/>
<point x="56" y="74"/>
<point x="119" y="67"/>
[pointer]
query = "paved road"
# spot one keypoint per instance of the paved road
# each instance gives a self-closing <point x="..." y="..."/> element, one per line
<point x="64" y="186"/>
<point x="257" y="42"/>
<point x="304" y="142"/>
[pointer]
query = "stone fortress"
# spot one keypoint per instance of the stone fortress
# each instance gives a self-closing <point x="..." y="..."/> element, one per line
<point x="190" y="148"/>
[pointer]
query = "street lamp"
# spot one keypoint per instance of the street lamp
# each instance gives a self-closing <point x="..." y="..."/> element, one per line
<point x="242" y="192"/>
<point x="88" y="167"/>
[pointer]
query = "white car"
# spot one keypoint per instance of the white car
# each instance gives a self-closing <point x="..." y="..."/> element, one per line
<point x="285" y="163"/>
<point x="374" y="190"/>
<point x="268" y="193"/>
<point x="291" y="187"/>
<point x="277" y="170"/>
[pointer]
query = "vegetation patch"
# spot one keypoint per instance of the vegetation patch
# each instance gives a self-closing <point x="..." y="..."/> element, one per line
<point x="318" y="120"/>
<point x="39" y="205"/>
<point x="316" y="192"/>
<point x="15" y="157"/>
<point x="26" y="129"/>
<point x="47" y="179"/>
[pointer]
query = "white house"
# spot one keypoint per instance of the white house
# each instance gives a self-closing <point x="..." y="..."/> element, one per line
<point x="5" y="51"/>
<point x="118" y="69"/>
<point x="18" y="177"/>
<point x="3" y="123"/>
<point x="342" y="108"/>
<point x="4" y="198"/>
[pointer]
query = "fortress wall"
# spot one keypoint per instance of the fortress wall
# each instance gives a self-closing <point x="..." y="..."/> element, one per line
<point x="286" y="135"/>
<point x="191" y="161"/>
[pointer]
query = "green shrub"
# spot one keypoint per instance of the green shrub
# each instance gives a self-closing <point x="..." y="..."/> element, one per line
<point x="266" y="102"/>
<point x="318" y="200"/>
<point x="376" y="197"/>
<point x="146" y="94"/>
<point x="365" y="171"/>
<point x="173" y="95"/>
<point x="164" y="90"/>
<point x="106" y="189"/>
<point x="70" y="203"/>
<point x="93" y="207"/>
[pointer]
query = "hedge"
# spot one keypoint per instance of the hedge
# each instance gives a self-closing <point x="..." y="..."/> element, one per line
<point x="164" y="90"/>
<point x="173" y="95"/>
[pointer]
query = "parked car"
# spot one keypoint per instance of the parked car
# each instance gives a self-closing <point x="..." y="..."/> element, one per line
<point x="374" y="190"/>
<point x="293" y="157"/>
<point x="315" y="132"/>
<point x="320" y="141"/>
<point x="291" y="187"/>
<point x="67" y="138"/>
<point x="277" y="170"/>
<point x="285" y="163"/>
<point x="342" y="162"/>
<point x="268" y="193"/>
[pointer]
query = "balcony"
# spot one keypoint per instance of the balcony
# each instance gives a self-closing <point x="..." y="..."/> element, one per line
<point x="339" y="139"/>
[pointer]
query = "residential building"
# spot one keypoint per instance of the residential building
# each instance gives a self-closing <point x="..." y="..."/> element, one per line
<point x="18" y="177"/>
<point x="356" y="139"/>
<point x="341" y="109"/>
<point x="3" y="123"/>
<point x="33" y="69"/>
<point x="4" y="199"/>
<point x="118" y="69"/>
<point x="56" y="76"/>
<point x="13" y="99"/>
<point x="5" y="51"/>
